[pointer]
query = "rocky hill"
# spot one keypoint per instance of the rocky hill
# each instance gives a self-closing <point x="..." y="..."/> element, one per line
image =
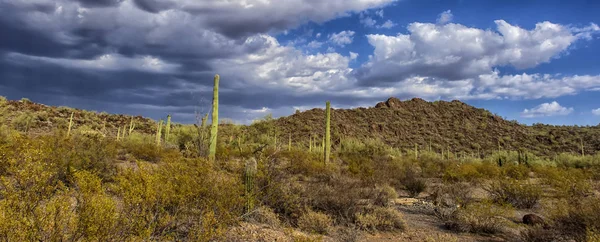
<point x="442" y="125"/>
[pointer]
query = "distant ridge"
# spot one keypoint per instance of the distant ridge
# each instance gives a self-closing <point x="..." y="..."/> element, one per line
<point x="454" y="125"/>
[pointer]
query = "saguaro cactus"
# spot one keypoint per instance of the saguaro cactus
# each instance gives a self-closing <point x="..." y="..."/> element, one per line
<point x="118" y="133"/>
<point x="215" y="121"/>
<point x="290" y="143"/>
<point x="416" y="151"/>
<point x="582" y="150"/>
<point x="70" y="125"/>
<point x="168" y="128"/>
<point x="159" y="132"/>
<point x="131" y="126"/>
<point x="249" y="176"/>
<point x="327" y="141"/>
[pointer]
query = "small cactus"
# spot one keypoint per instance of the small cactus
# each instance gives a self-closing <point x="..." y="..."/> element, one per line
<point x="118" y="133"/>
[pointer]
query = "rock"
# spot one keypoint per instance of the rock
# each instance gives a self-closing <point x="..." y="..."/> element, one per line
<point x="533" y="220"/>
<point x="405" y="201"/>
<point x="390" y="103"/>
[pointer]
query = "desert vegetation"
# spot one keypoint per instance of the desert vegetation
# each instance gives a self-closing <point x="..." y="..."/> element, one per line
<point x="76" y="175"/>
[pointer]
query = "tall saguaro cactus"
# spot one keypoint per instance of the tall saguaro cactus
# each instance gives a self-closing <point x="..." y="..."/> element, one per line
<point x="70" y="125"/>
<point x="327" y="131"/>
<point x="249" y="177"/>
<point x="168" y="128"/>
<point x="159" y="132"/>
<point x="131" y="126"/>
<point x="215" y="121"/>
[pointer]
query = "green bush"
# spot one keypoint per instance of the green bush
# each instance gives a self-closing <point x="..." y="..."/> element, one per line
<point x="518" y="194"/>
<point x="380" y="219"/>
<point x="484" y="218"/>
<point x="315" y="222"/>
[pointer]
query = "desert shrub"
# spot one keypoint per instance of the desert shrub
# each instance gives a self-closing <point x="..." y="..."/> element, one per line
<point x="264" y="215"/>
<point x="412" y="181"/>
<point x="142" y="146"/>
<point x="513" y="171"/>
<point x="568" y="183"/>
<point x="360" y="166"/>
<point x="349" y="234"/>
<point x="577" y="220"/>
<point x="538" y="234"/>
<point x="315" y="222"/>
<point x="518" y="194"/>
<point x="462" y="173"/>
<point x="485" y="218"/>
<point x="380" y="219"/>
<point x="488" y="170"/>
<point x="159" y="200"/>
<point x="97" y="212"/>
<point x="24" y="121"/>
<point x="284" y="197"/>
<point x="339" y="196"/>
<point x="451" y="195"/>
<point x="565" y="160"/>
<point x="415" y="186"/>
<point x="306" y="163"/>
<point x="383" y="194"/>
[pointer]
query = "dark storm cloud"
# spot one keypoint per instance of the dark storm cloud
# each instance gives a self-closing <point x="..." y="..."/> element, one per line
<point x="100" y="3"/>
<point x="154" y="6"/>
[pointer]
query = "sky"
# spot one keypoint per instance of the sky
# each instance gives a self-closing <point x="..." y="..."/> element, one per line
<point x="530" y="61"/>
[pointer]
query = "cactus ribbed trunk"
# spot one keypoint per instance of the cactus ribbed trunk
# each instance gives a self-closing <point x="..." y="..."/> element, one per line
<point x="159" y="132"/>
<point x="290" y="143"/>
<point x="327" y="142"/>
<point x="215" y="121"/>
<point x="70" y="125"/>
<point x="118" y="133"/>
<point x="416" y="152"/>
<point x="249" y="177"/>
<point x="168" y="128"/>
<point x="582" y="151"/>
<point x="310" y="144"/>
<point x="131" y="127"/>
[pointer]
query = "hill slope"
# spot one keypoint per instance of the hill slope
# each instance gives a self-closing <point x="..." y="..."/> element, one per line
<point x="454" y="125"/>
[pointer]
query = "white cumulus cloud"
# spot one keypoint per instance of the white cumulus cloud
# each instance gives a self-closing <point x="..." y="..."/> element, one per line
<point x="546" y="110"/>
<point x="445" y="17"/>
<point x="342" y="38"/>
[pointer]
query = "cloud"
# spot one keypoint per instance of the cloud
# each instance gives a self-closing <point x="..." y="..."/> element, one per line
<point x="596" y="112"/>
<point x="155" y="57"/>
<point x="314" y="44"/>
<point x="467" y="53"/>
<point x="546" y="110"/>
<point x="107" y="62"/>
<point x="387" y="25"/>
<point x="368" y="22"/>
<point x="342" y="38"/>
<point x="445" y="17"/>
